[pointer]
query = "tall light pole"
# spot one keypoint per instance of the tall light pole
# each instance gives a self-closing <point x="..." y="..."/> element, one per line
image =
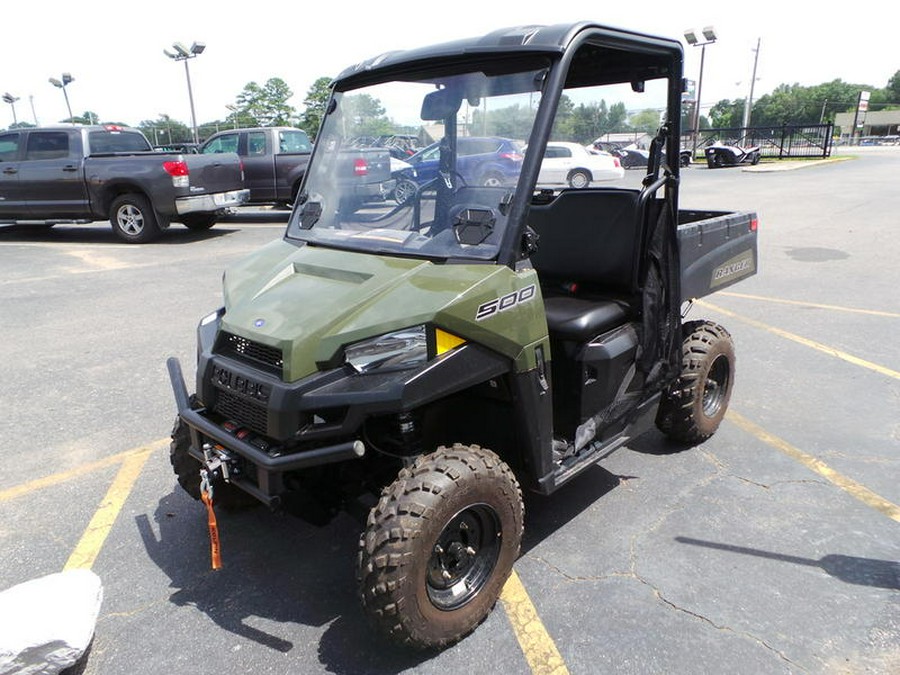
<point x="182" y="53"/>
<point x="9" y="98"/>
<point x="61" y="84"/>
<point x="709" y="35"/>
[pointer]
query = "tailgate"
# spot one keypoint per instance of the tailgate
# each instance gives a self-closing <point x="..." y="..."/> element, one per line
<point x="717" y="249"/>
<point x="219" y="172"/>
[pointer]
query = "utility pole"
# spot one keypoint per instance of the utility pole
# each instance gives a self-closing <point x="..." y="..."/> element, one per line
<point x="748" y="104"/>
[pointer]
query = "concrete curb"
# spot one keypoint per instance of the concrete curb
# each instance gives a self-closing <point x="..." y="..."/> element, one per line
<point x="792" y="165"/>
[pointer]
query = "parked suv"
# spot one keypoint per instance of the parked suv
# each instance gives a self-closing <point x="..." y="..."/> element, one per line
<point x="488" y="161"/>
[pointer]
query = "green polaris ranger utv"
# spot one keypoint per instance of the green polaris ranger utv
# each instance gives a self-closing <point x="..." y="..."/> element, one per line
<point x="492" y="329"/>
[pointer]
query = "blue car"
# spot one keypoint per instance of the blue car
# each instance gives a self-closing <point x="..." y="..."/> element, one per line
<point x="487" y="161"/>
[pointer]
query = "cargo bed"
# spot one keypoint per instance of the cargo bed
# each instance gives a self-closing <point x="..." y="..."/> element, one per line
<point x="717" y="248"/>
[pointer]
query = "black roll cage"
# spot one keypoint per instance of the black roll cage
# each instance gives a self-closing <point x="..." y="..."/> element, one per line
<point x="576" y="55"/>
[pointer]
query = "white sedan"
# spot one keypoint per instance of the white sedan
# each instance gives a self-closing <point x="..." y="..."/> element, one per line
<point x="573" y="165"/>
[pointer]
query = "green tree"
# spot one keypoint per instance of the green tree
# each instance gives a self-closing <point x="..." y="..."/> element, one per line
<point x="617" y="119"/>
<point x="727" y="114"/>
<point x="165" y="131"/>
<point x="513" y="121"/>
<point x="589" y="121"/>
<point x="265" y="106"/>
<point x="562" y="124"/>
<point x="892" y="90"/>
<point x="87" y="117"/>
<point x="794" y="104"/>
<point x="646" y="120"/>
<point x="239" y="118"/>
<point x="314" y="106"/>
<point x="364" y="115"/>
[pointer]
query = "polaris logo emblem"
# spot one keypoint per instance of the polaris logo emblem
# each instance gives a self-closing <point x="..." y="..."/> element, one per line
<point x="508" y="301"/>
<point x="225" y="379"/>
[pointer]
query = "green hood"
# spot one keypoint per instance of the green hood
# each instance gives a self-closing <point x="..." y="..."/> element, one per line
<point x="310" y="301"/>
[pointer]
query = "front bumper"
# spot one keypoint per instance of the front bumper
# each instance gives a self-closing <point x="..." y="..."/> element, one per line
<point x="216" y="201"/>
<point x="207" y="434"/>
<point x="277" y="427"/>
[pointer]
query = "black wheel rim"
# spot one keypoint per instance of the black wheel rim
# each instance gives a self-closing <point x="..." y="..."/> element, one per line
<point x="716" y="387"/>
<point x="463" y="557"/>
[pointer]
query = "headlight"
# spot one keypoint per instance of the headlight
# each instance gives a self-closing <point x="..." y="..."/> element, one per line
<point x="401" y="349"/>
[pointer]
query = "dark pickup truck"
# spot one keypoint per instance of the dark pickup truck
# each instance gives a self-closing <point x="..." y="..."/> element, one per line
<point x="85" y="173"/>
<point x="275" y="160"/>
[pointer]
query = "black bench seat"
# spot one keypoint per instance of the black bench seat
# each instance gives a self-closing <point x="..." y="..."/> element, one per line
<point x="578" y="319"/>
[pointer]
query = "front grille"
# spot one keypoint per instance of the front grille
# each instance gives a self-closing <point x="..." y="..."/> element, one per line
<point x="247" y="414"/>
<point x="248" y="351"/>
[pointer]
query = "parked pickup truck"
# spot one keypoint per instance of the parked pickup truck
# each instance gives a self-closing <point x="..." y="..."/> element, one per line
<point x="85" y="173"/>
<point x="275" y="160"/>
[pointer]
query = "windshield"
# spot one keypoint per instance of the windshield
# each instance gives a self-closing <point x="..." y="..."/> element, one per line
<point x="422" y="168"/>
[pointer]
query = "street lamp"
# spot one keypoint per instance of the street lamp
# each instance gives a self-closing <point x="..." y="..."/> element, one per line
<point x="182" y="53"/>
<point x="66" y="79"/>
<point x="9" y="98"/>
<point x="709" y="35"/>
<point x="234" y="114"/>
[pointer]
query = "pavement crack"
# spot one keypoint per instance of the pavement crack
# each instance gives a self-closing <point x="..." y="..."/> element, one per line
<point x="575" y="578"/>
<point x="753" y="482"/>
<point x="726" y="629"/>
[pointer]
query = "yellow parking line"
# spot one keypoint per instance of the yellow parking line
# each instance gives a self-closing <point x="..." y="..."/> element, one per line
<point x="825" y="349"/>
<point x="800" y="303"/>
<point x="65" y="476"/>
<point x="540" y="651"/>
<point x="538" y="647"/>
<point x="848" y="485"/>
<point x="94" y="536"/>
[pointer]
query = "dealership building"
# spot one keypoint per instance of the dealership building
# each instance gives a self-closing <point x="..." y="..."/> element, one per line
<point x="870" y="123"/>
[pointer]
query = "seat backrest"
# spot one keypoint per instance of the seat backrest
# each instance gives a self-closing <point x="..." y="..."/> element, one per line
<point x="587" y="236"/>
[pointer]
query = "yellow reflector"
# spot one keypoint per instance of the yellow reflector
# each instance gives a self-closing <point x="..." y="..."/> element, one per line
<point x="445" y="341"/>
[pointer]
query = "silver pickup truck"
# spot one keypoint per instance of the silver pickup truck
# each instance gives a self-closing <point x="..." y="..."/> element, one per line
<point x="85" y="173"/>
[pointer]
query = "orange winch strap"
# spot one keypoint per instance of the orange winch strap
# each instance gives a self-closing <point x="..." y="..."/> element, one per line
<point x="215" y="550"/>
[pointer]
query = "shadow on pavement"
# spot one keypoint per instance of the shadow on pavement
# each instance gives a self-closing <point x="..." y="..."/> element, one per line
<point x="100" y="233"/>
<point x="654" y="442"/>
<point x="847" y="568"/>
<point x="546" y="515"/>
<point x="276" y="568"/>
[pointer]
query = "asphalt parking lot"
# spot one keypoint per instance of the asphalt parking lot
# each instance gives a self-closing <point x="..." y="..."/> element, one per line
<point x="773" y="547"/>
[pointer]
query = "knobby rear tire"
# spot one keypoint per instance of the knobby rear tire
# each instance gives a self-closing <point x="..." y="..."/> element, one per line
<point x="694" y="406"/>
